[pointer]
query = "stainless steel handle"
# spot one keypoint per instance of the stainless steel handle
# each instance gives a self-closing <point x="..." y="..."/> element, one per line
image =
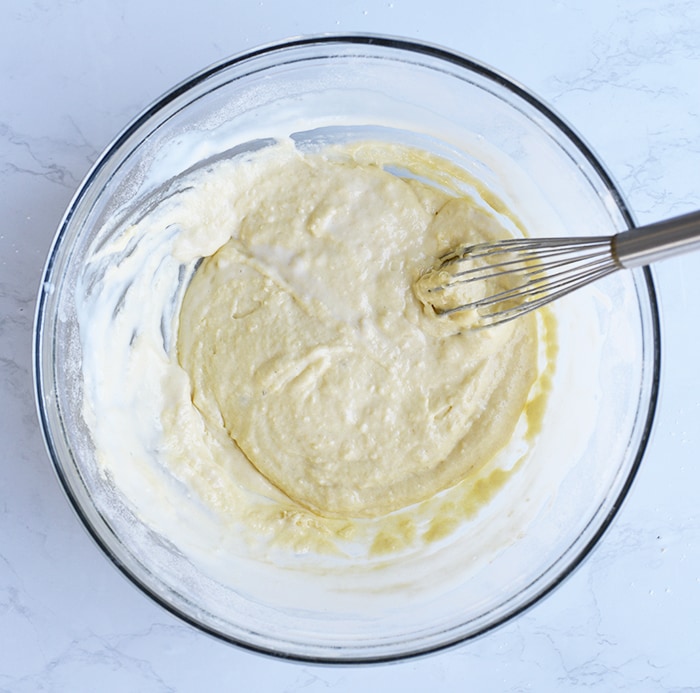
<point x="647" y="244"/>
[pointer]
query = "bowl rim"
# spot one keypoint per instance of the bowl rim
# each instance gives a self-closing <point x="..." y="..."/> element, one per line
<point x="407" y="45"/>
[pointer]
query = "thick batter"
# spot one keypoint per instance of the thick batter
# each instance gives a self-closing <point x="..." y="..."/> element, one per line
<point x="296" y="383"/>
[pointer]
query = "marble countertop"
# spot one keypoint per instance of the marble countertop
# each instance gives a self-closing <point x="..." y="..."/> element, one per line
<point x="626" y="75"/>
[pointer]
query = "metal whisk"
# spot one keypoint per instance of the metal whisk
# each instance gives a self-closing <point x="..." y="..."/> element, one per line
<point x="531" y="272"/>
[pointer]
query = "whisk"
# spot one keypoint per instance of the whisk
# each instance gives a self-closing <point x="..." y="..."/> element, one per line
<point x="531" y="272"/>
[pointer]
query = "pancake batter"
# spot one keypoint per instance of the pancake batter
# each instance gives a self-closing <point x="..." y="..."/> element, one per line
<point x="273" y="359"/>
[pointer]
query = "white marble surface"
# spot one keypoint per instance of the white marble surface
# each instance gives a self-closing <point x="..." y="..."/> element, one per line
<point x="625" y="73"/>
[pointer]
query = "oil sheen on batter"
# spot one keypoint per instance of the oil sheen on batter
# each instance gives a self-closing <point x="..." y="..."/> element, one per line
<point x="303" y="338"/>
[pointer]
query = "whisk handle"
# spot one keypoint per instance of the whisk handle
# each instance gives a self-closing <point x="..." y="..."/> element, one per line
<point x="647" y="244"/>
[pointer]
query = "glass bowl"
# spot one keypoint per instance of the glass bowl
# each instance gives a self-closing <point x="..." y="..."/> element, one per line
<point x="539" y="527"/>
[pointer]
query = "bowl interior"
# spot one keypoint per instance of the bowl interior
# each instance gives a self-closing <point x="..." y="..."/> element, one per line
<point x="342" y="89"/>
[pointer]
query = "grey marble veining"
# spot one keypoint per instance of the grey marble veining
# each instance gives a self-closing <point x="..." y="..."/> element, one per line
<point x="626" y="74"/>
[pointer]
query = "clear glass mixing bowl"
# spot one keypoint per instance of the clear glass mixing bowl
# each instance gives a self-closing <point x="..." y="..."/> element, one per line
<point x="340" y="88"/>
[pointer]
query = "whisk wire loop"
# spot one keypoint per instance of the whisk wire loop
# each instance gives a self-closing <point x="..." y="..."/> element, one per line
<point x="534" y="271"/>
